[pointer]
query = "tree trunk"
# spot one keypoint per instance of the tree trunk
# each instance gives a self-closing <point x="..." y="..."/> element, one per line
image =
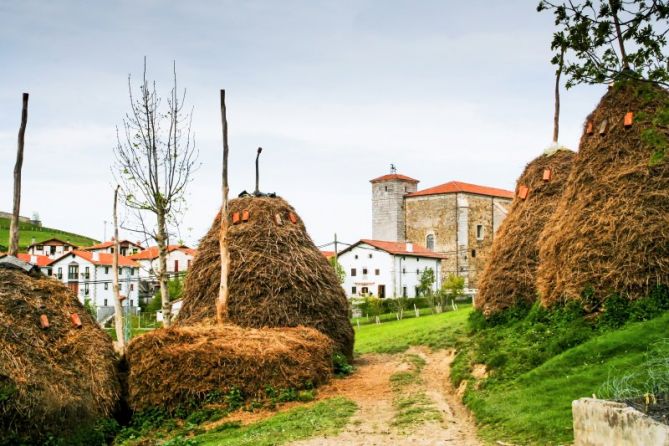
<point x="619" y="34"/>
<point x="162" y="273"/>
<point x="118" y="306"/>
<point x="224" y="291"/>
<point x="14" y="224"/>
<point x="556" y="117"/>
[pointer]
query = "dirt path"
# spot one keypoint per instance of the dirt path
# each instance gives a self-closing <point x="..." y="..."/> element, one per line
<point x="371" y="389"/>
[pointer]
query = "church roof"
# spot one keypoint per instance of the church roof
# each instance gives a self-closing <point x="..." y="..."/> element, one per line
<point x="393" y="176"/>
<point x="458" y="186"/>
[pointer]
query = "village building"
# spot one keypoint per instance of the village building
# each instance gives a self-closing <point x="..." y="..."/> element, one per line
<point x="52" y="248"/>
<point x="455" y="219"/>
<point x="89" y="275"/>
<point x="126" y="247"/>
<point x="387" y="269"/>
<point x="179" y="258"/>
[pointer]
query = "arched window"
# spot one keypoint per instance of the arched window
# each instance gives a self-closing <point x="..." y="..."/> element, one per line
<point x="429" y="242"/>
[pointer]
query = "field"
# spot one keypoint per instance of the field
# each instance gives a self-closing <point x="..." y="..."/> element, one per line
<point x="28" y="231"/>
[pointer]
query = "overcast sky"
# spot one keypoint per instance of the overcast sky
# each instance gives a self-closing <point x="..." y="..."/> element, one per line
<point x="334" y="91"/>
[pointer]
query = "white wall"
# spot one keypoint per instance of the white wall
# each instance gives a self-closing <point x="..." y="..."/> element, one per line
<point x="395" y="272"/>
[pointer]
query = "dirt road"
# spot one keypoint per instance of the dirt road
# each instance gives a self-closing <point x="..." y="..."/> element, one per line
<point x="385" y="404"/>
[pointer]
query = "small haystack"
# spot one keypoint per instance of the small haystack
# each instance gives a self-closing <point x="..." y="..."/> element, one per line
<point x="278" y="278"/>
<point x="56" y="380"/>
<point x="610" y="231"/>
<point x="182" y="366"/>
<point x="510" y="274"/>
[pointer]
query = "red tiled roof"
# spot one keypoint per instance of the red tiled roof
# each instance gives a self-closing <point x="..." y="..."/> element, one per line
<point x="400" y="248"/>
<point x="109" y="243"/>
<point x="153" y="252"/>
<point x="328" y="254"/>
<point x="394" y="176"/>
<point x="458" y="186"/>
<point x="105" y="259"/>
<point x="40" y="260"/>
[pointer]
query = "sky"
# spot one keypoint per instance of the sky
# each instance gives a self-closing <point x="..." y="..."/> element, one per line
<point x="334" y="92"/>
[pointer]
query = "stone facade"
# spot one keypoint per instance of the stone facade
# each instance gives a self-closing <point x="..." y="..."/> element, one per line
<point x="459" y="224"/>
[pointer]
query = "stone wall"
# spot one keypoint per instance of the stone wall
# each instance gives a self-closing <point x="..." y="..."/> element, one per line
<point x="388" y="209"/>
<point x="456" y="230"/>
<point x="606" y="423"/>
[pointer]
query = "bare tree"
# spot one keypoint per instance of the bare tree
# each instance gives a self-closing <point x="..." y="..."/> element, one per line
<point x="224" y="291"/>
<point x="14" y="224"/>
<point x="118" y="308"/>
<point x="155" y="160"/>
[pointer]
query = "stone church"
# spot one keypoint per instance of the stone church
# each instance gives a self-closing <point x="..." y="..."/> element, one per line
<point x="456" y="219"/>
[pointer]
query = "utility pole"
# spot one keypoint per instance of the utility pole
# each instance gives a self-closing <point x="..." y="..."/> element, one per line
<point x="335" y="249"/>
<point x="14" y="224"/>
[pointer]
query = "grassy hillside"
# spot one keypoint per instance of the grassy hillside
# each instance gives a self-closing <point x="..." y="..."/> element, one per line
<point x="28" y="231"/>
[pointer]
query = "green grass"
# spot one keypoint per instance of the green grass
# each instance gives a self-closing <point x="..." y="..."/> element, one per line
<point x="327" y="417"/>
<point x="535" y="406"/>
<point x="441" y="330"/>
<point x="28" y="231"/>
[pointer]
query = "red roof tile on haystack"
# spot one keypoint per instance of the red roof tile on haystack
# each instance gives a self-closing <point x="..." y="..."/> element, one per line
<point x="458" y="186"/>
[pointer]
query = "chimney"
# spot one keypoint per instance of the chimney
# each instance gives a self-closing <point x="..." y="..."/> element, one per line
<point x="32" y="241"/>
<point x="33" y="259"/>
<point x="96" y="256"/>
<point x="409" y="247"/>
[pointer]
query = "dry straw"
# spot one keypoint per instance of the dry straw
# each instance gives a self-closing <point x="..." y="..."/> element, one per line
<point x="181" y="366"/>
<point x="54" y="380"/>
<point x="610" y="231"/>
<point x="278" y="278"/>
<point x="510" y="275"/>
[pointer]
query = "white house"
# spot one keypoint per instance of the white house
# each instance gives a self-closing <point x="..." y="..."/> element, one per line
<point x="52" y="248"/>
<point x="387" y="269"/>
<point x="90" y="274"/>
<point x="179" y="258"/>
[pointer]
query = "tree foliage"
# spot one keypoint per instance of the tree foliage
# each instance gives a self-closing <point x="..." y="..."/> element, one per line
<point x="427" y="279"/>
<point x="339" y="270"/>
<point x="610" y="40"/>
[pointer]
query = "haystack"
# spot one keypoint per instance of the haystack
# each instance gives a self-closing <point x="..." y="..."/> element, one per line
<point x="509" y="278"/>
<point x="278" y="278"/>
<point x="610" y="231"/>
<point x="183" y="366"/>
<point x="55" y="380"/>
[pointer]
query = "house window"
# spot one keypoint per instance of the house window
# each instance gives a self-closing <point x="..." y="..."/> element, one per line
<point x="188" y="264"/>
<point x="417" y="271"/>
<point x="106" y="286"/>
<point x="479" y="232"/>
<point x="376" y="272"/>
<point x="106" y="270"/>
<point x="386" y="188"/>
<point x="87" y="272"/>
<point x="364" y="271"/>
<point x="429" y="242"/>
<point x="404" y="291"/>
<point x="39" y="247"/>
<point x="353" y="290"/>
<point x="60" y="272"/>
<point x="356" y="256"/>
<point x="404" y="270"/>
<point x="364" y="290"/>
<point x="176" y="266"/>
<point x="473" y="253"/>
<point x="86" y="290"/>
<point x="132" y="271"/>
<point x="353" y="272"/>
<point x="370" y="256"/>
<point x="105" y="302"/>
<point x="131" y="303"/>
<point x="72" y="272"/>
<point x="132" y="287"/>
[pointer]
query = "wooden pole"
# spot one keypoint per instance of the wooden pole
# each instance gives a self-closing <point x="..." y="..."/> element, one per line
<point x="224" y="291"/>
<point x="118" y="306"/>
<point x="556" y="117"/>
<point x="14" y="224"/>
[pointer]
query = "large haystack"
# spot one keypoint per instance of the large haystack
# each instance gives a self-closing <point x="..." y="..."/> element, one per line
<point x="510" y="274"/>
<point x="55" y="380"/>
<point x="278" y="278"/>
<point x="183" y="366"/>
<point x="610" y="231"/>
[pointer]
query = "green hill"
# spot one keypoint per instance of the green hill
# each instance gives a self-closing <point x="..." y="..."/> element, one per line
<point x="29" y="231"/>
